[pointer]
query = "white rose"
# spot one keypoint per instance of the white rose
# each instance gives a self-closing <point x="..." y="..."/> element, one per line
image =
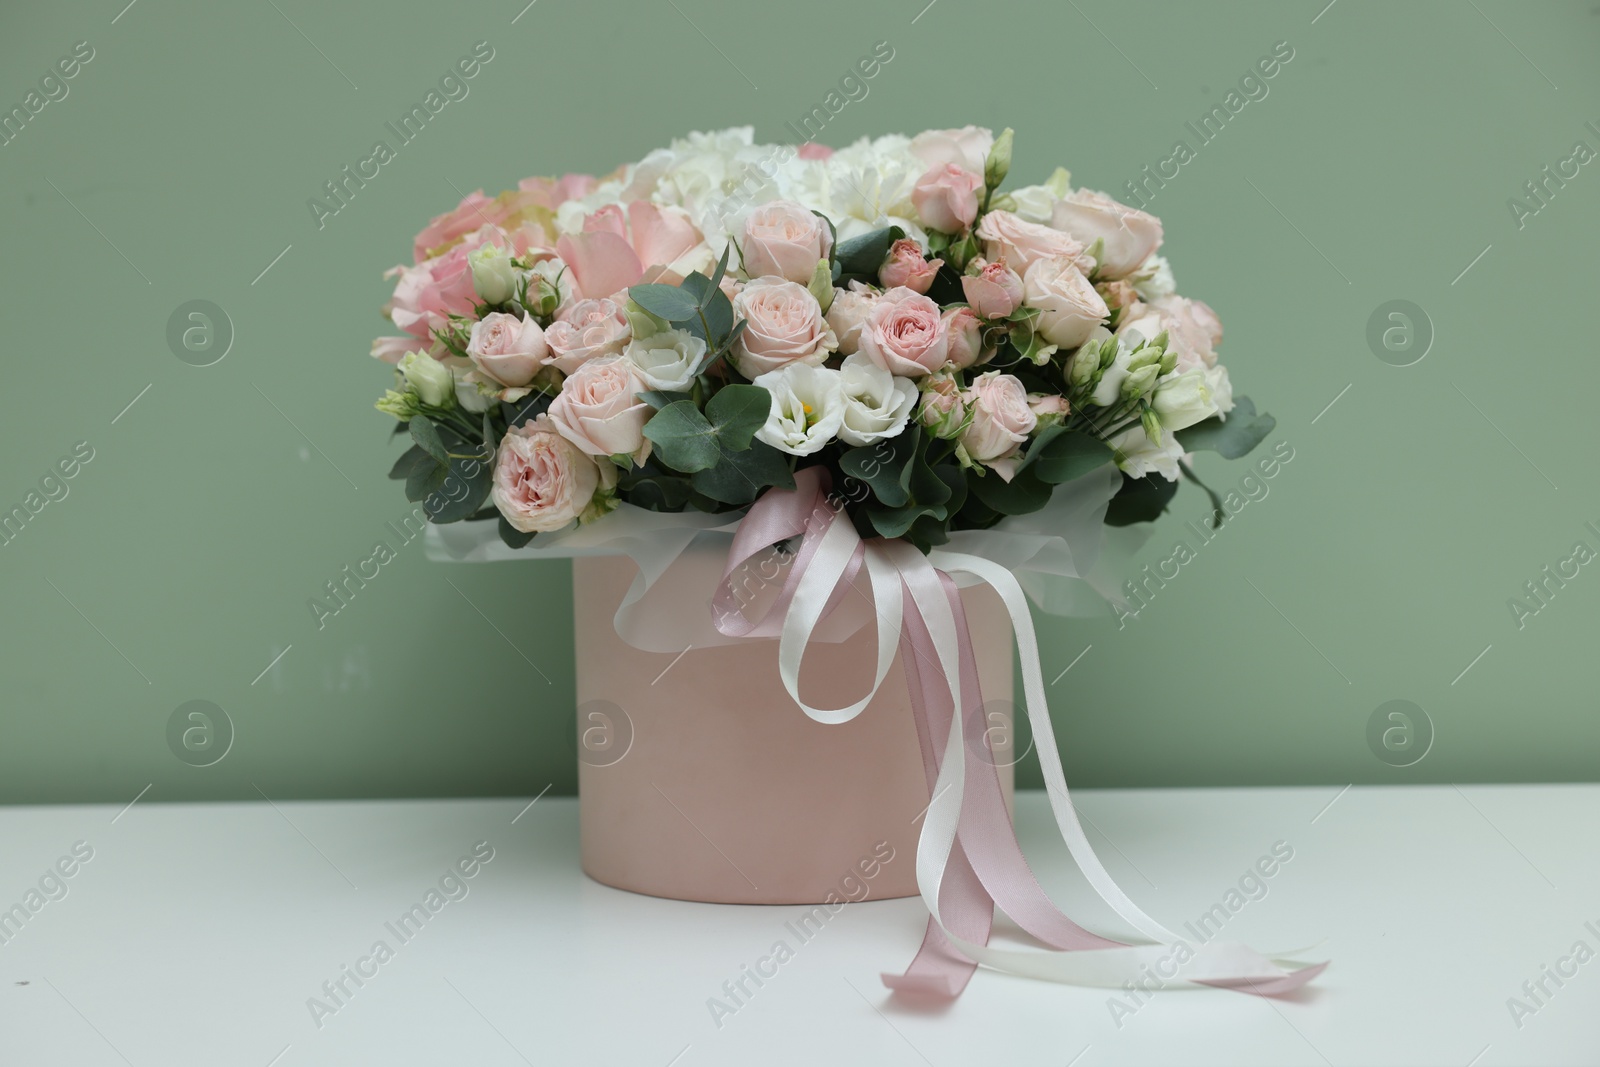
<point x="1130" y="236"/>
<point x="877" y="404"/>
<point x="1184" y="399"/>
<point x="1138" y="457"/>
<point x="968" y="147"/>
<point x="668" y="360"/>
<point x="493" y="276"/>
<point x="1071" y="309"/>
<point x="431" y="379"/>
<point x="807" y="408"/>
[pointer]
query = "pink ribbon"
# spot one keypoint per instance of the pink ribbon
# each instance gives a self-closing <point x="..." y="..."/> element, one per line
<point x="985" y="866"/>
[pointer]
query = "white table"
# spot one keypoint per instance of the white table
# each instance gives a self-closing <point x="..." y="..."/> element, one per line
<point x="196" y="934"/>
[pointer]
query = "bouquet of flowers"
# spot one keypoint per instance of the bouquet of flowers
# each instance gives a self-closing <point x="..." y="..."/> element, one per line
<point x="696" y="327"/>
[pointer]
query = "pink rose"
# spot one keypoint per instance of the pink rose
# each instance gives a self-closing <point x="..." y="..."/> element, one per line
<point x="1001" y="422"/>
<point x="429" y="293"/>
<point x="905" y="334"/>
<point x="620" y="248"/>
<point x="541" y="481"/>
<point x="551" y="193"/>
<point x="516" y="210"/>
<point x="598" y="409"/>
<point x="993" y="289"/>
<point x="1045" y="405"/>
<point x="784" y="240"/>
<point x="1021" y="244"/>
<point x="944" y="408"/>
<point x="907" y="266"/>
<point x="1070" y="309"/>
<point x="585" y="330"/>
<point x="1130" y="236"/>
<point x="848" y="313"/>
<point x="967" y="148"/>
<point x="783" y="324"/>
<point x="946" y="198"/>
<point x="507" y="349"/>
<point x="965" y="333"/>
<point x="812" y="150"/>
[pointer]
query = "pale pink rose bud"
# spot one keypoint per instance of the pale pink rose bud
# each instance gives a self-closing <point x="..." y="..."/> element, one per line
<point x="598" y="409"/>
<point x="965" y="337"/>
<point x="1047" y="405"/>
<point x="784" y="240"/>
<point x="905" y="334"/>
<point x="907" y="266"/>
<point x="585" y="330"/>
<point x="1001" y="421"/>
<point x="542" y="481"/>
<point x="943" y="408"/>
<point x="946" y="198"/>
<point x="993" y="289"/>
<point x="507" y="349"/>
<point x="1117" y="294"/>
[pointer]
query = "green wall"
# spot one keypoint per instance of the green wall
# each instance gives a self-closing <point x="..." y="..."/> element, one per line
<point x="1377" y="567"/>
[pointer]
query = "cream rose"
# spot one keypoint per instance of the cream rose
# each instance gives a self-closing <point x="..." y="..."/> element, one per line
<point x="1184" y="399"/>
<point x="784" y="240"/>
<point x="807" y="408"/>
<point x="905" y="334"/>
<point x="1021" y="244"/>
<point x="783" y="324"/>
<point x="848" y="313"/>
<point x="1001" y="421"/>
<point x="877" y="404"/>
<point x="1130" y="236"/>
<point x="599" y="411"/>
<point x="542" y="481"/>
<point x="946" y="198"/>
<point x="1069" y="307"/>
<point x="585" y="330"/>
<point x="506" y="349"/>
<point x="667" y="360"/>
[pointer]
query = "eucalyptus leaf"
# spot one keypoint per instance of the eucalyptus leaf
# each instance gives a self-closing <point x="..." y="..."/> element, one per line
<point x="885" y="466"/>
<point x="742" y="476"/>
<point x="426" y="435"/>
<point x="409" y="461"/>
<point x="1140" y="500"/>
<point x="1232" y="438"/>
<point x="665" y="301"/>
<point x="512" y="536"/>
<point x="1067" y="456"/>
<point x="1022" y="494"/>
<point x="861" y="257"/>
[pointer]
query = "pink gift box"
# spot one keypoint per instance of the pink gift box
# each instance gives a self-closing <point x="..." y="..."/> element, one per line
<point x="701" y="779"/>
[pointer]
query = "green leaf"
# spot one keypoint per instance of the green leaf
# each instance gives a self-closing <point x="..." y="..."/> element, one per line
<point x="1140" y="500"/>
<point x="513" y="536"/>
<point x="426" y="434"/>
<point x="1218" y="515"/>
<point x="740" y="478"/>
<point x="722" y="268"/>
<point x="1230" y="439"/>
<point x="885" y="466"/>
<point x="656" y="490"/>
<point x="894" y="522"/>
<point x="665" y="301"/>
<point x="425" y="479"/>
<point x="659" y="400"/>
<point x="461" y="492"/>
<point x="409" y="460"/>
<point x="1067" y="456"/>
<point x="737" y="412"/>
<point x="1022" y="494"/>
<point x="860" y="257"/>
<point x="684" y="440"/>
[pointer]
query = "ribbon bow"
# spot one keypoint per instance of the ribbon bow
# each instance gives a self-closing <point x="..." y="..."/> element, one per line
<point x="968" y="856"/>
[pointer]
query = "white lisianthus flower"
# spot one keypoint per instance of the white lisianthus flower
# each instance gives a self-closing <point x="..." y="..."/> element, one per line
<point x="877" y="404"/>
<point x="807" y="408"/>
<point x="1221" y="389"/>
<point x="1111" y="379"/>
<point x="470" y="394"/>
<point x="431" y="379"/>
<point x="667" y="360"/>
<point x="1153" y="280"/>
<point x="1184" y="399"/>
<point x="1138" y="457"/>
